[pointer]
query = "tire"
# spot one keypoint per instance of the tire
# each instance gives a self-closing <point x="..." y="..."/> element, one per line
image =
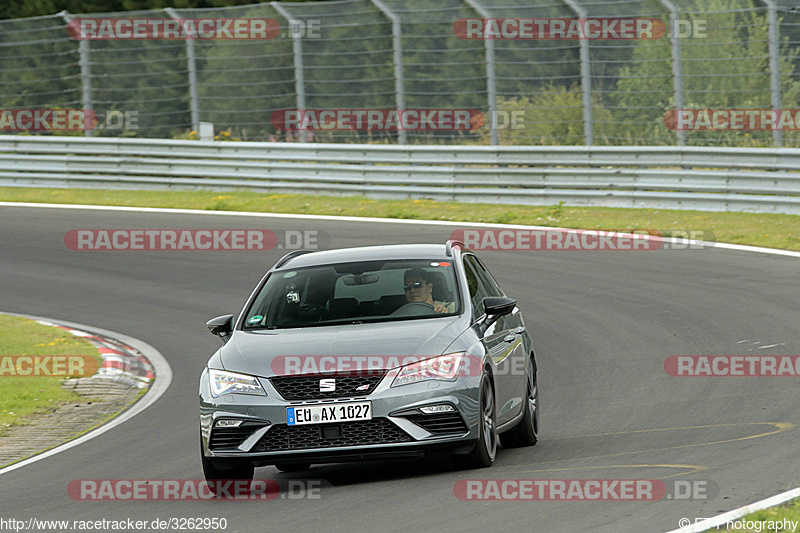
<point x="485" y="450"/>
<point x="220" y="469"/>
<point x="293" y="467"/>
<point x="526" y="432"/>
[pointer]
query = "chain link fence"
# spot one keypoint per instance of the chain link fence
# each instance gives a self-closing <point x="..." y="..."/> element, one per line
<point x="395" y="54"/>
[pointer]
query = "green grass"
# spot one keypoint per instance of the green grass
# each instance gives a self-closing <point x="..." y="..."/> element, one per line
<point x="789" y="511"/>
<point x="22" y="397"/>
<point x="768" y="230"/>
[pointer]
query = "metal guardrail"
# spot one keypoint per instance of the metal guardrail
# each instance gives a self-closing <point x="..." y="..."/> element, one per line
<point x="712" y="179"/>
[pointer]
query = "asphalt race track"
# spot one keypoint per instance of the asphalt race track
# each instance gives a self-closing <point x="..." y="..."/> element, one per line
<point x="603" y="325"/>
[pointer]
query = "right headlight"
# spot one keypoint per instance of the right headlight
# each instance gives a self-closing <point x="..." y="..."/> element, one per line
<point x="442" y="368"/>
<point x="224" y="382"/>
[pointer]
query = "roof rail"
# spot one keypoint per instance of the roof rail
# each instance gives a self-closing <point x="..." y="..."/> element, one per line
<point x="291" y="255"/>
<point x="448" y="247"/>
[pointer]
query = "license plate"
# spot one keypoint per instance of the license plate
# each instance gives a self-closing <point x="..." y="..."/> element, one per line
<point x="323" y="414"/>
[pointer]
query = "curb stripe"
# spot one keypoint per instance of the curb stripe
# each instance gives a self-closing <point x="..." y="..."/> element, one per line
<point x="157" y="388"/>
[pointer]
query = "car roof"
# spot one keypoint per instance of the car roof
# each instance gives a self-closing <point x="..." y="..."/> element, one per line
<point x="366" y="253"/>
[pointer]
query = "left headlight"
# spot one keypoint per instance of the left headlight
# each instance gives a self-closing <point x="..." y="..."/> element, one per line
<point x="442" y="368"/>
<point x="224" y="382"/>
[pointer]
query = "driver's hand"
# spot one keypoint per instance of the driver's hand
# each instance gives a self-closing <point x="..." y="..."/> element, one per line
<point x="439" y="308"/>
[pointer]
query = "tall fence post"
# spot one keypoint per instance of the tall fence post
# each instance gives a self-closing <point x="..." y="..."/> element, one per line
<point x="297" y="47"/>
<point x="677" y="65"/>
<point x="491" y="79"/>
<point x="86" y="72"/>
<point x="586" y="77"/>
<point x="774" y="66"/>
<point x="397" y="55"/>
<point x="192" y="69"/>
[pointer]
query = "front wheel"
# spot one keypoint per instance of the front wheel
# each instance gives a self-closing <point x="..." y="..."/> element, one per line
<point x="526" y="432"/>
<point x="220" y="469"/>
<point x="485" y="450"/>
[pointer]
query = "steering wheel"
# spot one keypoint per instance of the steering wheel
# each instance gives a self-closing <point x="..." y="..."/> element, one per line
<point x="413" y="308"/>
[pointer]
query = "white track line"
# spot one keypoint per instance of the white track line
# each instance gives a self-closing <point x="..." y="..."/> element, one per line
<point x="705" y="524"/>
<point x="332" y="218"/>
<point x="732" y="516"/>
<point x="157" y="388"/>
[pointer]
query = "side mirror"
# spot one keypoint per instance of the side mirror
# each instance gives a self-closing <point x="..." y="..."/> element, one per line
<point x="497" y="306"/>
<point x="222" y="326"/>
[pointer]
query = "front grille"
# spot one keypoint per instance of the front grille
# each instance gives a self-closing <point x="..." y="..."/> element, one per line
<point x="307" y="387"/>
<point x="364" y="432"/>
<point x="440" y="424"/>
<point x="231" y="437"/>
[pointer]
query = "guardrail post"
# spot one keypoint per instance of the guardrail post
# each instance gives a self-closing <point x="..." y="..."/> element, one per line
<point x="677" y="65"/>
<point x="491" y="79"/>
<point x="586" y="77"/>
<point x="192" y="69"/>
<point x="297" y="47"/>
<point x="205" y="131"/>
<point x="774" y="66"/>
<point x="86" y="72"/>
<point x="397" y="54"/>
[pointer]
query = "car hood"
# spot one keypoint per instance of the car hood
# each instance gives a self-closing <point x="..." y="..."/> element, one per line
<point x="261" y="353"/>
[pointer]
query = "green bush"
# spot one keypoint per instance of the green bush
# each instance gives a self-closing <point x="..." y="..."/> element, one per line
<point x="551" y="116"/>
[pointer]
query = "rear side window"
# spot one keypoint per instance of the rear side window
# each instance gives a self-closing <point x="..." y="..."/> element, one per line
<point x="476" y="290"/>
<point x="486" y="278"/>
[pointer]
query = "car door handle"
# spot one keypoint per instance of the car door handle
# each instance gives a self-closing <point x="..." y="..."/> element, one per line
<point x="511" y="337"/>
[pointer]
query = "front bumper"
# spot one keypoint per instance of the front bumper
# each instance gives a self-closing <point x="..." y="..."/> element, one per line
<point x="397" y="428"/>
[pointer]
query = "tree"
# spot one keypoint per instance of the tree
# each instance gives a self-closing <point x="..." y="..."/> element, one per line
<point x="728" y="68"/>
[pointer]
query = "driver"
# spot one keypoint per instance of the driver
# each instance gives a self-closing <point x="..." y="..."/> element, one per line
<point x="418" y="287"/>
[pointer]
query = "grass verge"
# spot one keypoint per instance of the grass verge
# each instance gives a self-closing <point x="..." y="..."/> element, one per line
<point x="755" y="229"/>
<point x="22" y="397"/>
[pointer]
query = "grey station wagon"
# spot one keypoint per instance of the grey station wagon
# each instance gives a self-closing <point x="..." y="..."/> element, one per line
<point x="369" y="353"/>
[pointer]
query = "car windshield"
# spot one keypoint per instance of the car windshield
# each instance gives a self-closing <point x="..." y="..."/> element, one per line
<point x="353" y="293"/>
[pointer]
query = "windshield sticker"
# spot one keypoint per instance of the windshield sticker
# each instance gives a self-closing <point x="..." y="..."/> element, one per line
<point x="290" y="274"/>
<point x="255" y="319"/>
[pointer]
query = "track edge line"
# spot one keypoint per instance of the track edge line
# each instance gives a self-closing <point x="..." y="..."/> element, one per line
<point x="160" y="384"/>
